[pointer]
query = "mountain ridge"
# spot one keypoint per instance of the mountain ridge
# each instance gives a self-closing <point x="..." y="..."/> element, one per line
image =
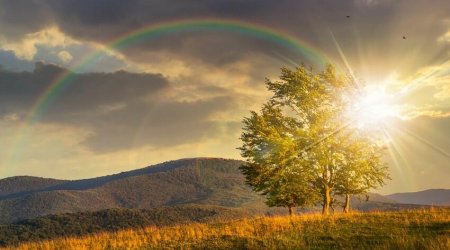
<point x="200" y="181"/>
<point x="88" y="183"/>
<point x="435" y="196"/>
<point x="212" y="181"/>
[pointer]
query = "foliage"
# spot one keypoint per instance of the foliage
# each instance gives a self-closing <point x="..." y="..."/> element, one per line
<point x="362" y="171"/>
<point x="18" y="184"/>
<point x="84" y="223"/>
<point x="272" y="167"/>
<point x="299" y="146"/>
<point x="414" y="229"/>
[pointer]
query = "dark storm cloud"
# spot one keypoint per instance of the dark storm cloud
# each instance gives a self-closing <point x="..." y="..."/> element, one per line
<point x="20" y="17"/>
<point x="122" y="109"/>
<point x="19" y="90"/>
<point x="112" y="17"/>
<point x="83" y="18"/>
<point x="213" y="48"/>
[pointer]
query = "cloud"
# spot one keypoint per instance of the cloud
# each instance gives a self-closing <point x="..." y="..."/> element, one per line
<point x="27" y="47"/>
<point x="9" y="61"/>
<point x="121" y="109"/>
<point x="23" y="17"/>
<point x="411" y="112"/>
<point x="370" y="2"/>
<point x="427" y="87"/>
<point x="10" y="117"/>
<point x="106" y="108"/>
<point x="41" y="152"/>
<point x="86" y="98"/>
<point x="81" y="21"/>
<point x="444" y="93"/>
<point x="65" y="56"/>
<point x="161" y="125"/>
<point x="184" y="94"/>
<point x="51" y="45"/>
<point x="62" y="155"/>
<point x="445" y="38"/>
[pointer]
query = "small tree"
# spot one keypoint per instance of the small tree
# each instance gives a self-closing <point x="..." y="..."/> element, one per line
<point x="362" y="170"/>
<point x="295" y="149"/>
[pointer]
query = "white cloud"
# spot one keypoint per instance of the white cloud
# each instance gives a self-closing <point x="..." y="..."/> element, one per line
<point x="65" y="56"/>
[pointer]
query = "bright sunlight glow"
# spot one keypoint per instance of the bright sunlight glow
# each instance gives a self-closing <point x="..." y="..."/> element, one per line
<point x="372" y="106"/>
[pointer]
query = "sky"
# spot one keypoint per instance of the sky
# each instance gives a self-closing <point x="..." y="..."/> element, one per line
<point x="90" y="88"/>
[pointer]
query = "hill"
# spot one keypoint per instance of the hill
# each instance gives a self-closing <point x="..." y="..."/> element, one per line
<point x="84" y="223"/>
<point x="187" y="181"/>
<point x="415" y="229"/>
<point x="19" y="184"/>
<point x="426" y="197"/>
<point x="200" y="181"/>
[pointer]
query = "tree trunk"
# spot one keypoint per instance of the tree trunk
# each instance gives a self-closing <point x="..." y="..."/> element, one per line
<point x="326" y="200"/>
<point x="332" y="206"/>
<point x="347" y="203"/>
<point x="290" y="211"/>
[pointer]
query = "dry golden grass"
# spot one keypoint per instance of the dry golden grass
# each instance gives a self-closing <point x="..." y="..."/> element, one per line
<point x="418" y="229"/>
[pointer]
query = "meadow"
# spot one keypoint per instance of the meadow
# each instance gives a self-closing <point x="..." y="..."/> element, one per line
<point x="408" y="229"/>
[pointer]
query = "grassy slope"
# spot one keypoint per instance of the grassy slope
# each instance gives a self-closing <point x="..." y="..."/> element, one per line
<point x="85" y="223"/>
<point x="415" y="229"/>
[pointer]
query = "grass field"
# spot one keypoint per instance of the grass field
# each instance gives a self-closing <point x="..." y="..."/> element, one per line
<point x="414" y="229"/>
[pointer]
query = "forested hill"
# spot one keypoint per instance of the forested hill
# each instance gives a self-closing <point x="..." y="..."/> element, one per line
<point x="209" y="181"/>
<point x="439" y="197"/>
<point x="196" y="181"/>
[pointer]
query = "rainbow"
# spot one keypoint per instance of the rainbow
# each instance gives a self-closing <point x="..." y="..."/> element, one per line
<point x="154" y="31"/>
<point x="158" y="30"/>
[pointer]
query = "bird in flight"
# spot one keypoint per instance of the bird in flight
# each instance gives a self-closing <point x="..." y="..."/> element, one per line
<point x="348" y="16"/>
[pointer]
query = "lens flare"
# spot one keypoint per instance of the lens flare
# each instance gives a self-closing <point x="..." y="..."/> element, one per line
<point x="372" y="106"/>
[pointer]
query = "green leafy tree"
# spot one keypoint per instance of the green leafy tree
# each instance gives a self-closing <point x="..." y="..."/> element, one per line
<point x="362" y="170"/>
<point x="295" y="149"/>
<point x="273" y="167"/>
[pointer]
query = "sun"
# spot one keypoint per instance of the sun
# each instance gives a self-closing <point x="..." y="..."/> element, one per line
<point x="372" y="106"/>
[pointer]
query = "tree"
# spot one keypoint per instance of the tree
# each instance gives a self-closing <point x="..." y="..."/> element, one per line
<point x="273" y="165"/>
<point x="296" y="149"/>
<point x="362" y="171"/>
